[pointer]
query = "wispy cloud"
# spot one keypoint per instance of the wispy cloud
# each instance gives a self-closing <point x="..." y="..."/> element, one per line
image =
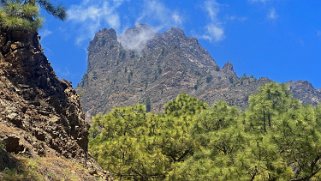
<point x="214" y="29"/>
<point x="236" y="18"/>
<point x="156" y="13"/>
<point x="137" y="39"/>
<point x="259" y="1"/>
<point x="177" y="18"/>
<point x="272" y="14"/>
<point x="157" y="16"/>
<point x="212" y="9"/>
<point x="91" y="15"/>
<point x="45" y="33"/>
<point x="214" y="33"/>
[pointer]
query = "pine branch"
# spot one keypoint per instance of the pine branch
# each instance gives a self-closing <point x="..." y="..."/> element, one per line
<point x="57" y="11"/>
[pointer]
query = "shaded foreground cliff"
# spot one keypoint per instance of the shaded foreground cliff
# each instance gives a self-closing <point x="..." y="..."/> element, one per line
<point x="143" y="66"/>
<point x="40" y="117"/>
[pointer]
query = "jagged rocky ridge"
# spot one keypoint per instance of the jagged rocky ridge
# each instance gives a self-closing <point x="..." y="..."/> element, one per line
<point x="142" y="65"/>
<point x="40" y="116"/>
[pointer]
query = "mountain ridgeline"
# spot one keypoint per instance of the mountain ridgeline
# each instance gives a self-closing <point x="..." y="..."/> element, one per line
<point x="143" y="66"/>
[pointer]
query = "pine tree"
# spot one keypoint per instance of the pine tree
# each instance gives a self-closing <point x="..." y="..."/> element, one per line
<point x="271" y="100"/>
<point x="24" y="14"/>
<point x="148" y="105"/>
<point x="184" y="104"/>
<point x="193" y="142"/>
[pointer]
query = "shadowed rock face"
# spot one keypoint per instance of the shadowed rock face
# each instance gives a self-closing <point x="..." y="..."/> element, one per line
<point x="33" y="99"/>
<point x="44" y="112"/>
<point x="164" y="65"/>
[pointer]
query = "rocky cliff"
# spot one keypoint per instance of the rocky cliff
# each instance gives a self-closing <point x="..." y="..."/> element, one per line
<point x="305" y="92"/>
<point x="40" y="116"/>
<point x="144" y="65"/>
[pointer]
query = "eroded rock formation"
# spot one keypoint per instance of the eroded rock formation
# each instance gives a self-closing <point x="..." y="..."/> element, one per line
<point x="42" y="111"/>
<point x="141" y="65"/>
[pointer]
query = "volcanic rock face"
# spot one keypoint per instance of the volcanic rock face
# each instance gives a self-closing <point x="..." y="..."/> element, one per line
<point x="305" y="92"/>
<point x="33" y="99"/>
<point x="42" y="113"/>
<point x="157" y="67"/>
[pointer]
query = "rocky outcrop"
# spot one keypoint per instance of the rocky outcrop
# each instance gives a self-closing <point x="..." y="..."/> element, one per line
<point x="44" y="111"/>
<point x="305" y="92"/>
<point x="143" y="65"/>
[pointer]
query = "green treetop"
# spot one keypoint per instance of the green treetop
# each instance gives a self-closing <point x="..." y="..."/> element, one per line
<point x="272" y="100"/>
<point x="184" y="104"/>
<point x="275" y="138"/>
<point x="24" y="14"/>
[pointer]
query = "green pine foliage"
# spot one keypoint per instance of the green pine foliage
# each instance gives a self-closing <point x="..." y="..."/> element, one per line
<point x="24" y="15"/>
<point x="184" y="104"/>
<point x="275" y="138"/>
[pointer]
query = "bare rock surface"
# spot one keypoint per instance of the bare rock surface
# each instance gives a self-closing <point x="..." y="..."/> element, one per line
<point x="42" y="111"/>
<point x="143" y="65"/>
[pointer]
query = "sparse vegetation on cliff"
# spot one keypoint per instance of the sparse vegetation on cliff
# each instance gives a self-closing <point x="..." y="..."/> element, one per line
<point x="42" y="127"/>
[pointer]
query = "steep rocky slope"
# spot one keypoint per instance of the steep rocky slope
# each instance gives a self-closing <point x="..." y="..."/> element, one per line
<point x="305" y="92"/>
<point x="40" y="116"/>
<point x="142" y="65"/>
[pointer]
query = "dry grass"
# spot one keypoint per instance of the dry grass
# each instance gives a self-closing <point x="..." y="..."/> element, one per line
<point x="46" y="169"/>
<point x="20" y="167"/>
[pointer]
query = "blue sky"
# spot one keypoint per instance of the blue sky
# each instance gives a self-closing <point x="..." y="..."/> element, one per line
<point x="279" y="39"/>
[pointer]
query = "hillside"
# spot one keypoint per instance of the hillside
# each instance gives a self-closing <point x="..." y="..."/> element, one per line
<point x="143" y="66"/>
<point x="43" y="135"/>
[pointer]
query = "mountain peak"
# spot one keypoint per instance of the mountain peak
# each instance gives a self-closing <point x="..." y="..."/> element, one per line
<point x="103" y="38"/>
<point x="105" y="33"/>
<point x="306" y="91"/>
<point x="175" y="30"/>
<point x="302" y="84"/>
<point x="145" y="65"/>
<point x="228" y="67"/>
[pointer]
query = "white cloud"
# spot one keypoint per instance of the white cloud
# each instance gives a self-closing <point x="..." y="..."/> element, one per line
<point x="177" y="18"/>
<point x="136" y="40"/>
<point x="214" y="33"/>
<point x="156" y="13"/>
<point x="157" y="16"/>
<point x="92" y="15"/>
<point x="212" y="9"/>
<point x="272" y="14"/>
<point x="214" y="30"/>
<point x="114" y="21"/>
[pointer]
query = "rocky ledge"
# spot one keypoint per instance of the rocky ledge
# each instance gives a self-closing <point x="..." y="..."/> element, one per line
<point x="42" y="112"/>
